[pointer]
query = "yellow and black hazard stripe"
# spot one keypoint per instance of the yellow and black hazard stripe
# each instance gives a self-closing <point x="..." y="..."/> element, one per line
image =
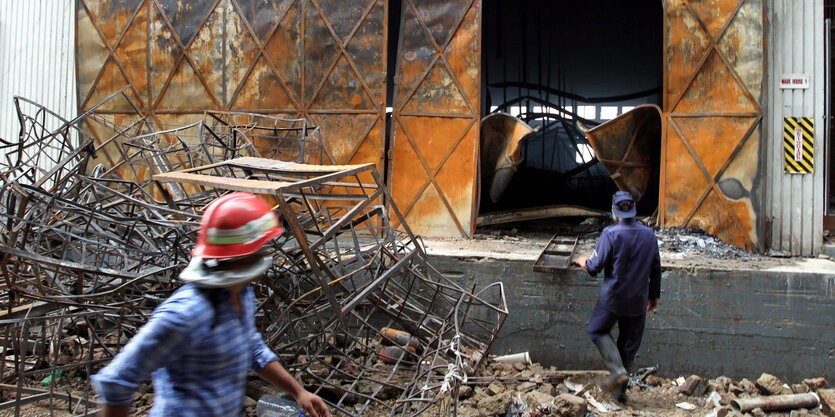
<point x="799" y="144"/>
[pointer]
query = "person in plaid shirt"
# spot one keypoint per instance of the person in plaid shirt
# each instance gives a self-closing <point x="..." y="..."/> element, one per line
<point x="200" y="343"/>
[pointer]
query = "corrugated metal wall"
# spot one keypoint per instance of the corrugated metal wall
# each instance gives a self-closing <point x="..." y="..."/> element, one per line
<point x="36" y="58"/>
<point x="794" y="202"/>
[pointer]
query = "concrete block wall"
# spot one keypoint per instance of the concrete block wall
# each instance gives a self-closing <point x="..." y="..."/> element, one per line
<point x="711" y="323"/>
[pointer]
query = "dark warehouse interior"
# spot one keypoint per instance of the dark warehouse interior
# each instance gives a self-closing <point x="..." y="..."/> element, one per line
<point x="572" y="61"/>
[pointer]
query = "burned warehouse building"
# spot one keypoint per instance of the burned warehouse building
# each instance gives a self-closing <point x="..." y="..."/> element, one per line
<point x="457" y="201"/>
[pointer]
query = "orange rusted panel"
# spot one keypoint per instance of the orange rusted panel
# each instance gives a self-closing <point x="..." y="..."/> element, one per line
<point x="324" y="60"/>
<point x="433" y="166"/>
<point x="712" y="113"/>
<point x="628" y="146"/>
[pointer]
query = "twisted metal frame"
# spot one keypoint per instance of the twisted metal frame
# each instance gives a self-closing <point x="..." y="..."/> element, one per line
<point x="93" y="242"/>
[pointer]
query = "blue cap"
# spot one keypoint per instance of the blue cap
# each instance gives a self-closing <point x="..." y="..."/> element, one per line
<point x="623" y="205"/>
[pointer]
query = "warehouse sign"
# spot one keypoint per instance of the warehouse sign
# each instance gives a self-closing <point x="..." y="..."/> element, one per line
<point x="799" y="144"/>
<point x="794" y="81"/>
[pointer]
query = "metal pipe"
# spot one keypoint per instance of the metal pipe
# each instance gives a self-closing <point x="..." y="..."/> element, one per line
<point x="776" y="402"/>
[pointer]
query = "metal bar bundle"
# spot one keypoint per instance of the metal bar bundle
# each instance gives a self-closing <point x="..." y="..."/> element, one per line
<point x="97" y="233"/>
<point x="342" y="274"/>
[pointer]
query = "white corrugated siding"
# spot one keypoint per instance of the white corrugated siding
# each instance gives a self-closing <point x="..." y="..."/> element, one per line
<point x="795" y="202"/>
<point x="37" y="58"/>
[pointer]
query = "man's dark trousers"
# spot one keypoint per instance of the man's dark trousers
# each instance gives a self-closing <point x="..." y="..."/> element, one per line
<point x="630" y="331"/>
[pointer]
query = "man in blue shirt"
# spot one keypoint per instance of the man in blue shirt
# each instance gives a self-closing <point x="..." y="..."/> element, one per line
<point x="627" y="253"/>
<point x="200" y="343"/>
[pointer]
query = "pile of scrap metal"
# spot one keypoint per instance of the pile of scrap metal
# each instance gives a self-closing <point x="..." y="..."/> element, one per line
<point x="96" y="229"/>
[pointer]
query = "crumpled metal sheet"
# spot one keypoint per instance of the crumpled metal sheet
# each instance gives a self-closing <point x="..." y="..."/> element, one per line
<point x="629" y="147"/>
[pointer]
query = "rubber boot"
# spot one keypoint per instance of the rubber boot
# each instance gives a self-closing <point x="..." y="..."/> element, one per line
<point x="619" y="392"/>
<point x="611" y="357"/>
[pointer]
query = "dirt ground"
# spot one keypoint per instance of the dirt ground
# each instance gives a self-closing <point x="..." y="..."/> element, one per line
<point x="72" y="386"/>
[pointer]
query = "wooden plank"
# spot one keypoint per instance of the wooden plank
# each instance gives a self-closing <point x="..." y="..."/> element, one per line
<point x="272" y="165"/>
<point x="324" y="174"/>
<point x="226" y="183"/>
<point x="38" y="308"/>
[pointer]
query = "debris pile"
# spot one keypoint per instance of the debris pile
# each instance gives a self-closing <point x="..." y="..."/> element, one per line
<point x="521" y="390"/>
<point x="96" y="228"/>
<point x="697" y="242"/>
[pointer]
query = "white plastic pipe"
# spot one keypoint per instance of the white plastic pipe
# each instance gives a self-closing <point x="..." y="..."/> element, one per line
<point x="522" y="357"/>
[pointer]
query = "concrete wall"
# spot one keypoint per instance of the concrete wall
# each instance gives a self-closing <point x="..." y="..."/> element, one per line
<point x="733" y="323"/>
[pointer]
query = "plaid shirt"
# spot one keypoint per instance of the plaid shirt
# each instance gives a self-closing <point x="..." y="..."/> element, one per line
<point x="197" y="354"/>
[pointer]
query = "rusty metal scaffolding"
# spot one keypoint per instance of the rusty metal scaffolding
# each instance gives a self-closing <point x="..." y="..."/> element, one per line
<point x="95" y="234"/>
<point x="343" y="274"/>
<point x="43" y="340"/>
<point x="71" y="248"/>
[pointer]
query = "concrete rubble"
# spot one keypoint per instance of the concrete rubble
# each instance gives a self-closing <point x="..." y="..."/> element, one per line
<point x="553" y="392"/>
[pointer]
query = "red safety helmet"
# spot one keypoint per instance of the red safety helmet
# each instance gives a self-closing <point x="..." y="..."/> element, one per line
<point x="235" y="225"/>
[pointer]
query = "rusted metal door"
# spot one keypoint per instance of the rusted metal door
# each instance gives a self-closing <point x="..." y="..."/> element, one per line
<point x="433" y="171"/>
<point x="319" y="59"/>
<point x="713" y="78"/>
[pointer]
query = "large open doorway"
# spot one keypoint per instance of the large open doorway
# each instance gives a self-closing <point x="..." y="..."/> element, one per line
<point x="550" y="65"/>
